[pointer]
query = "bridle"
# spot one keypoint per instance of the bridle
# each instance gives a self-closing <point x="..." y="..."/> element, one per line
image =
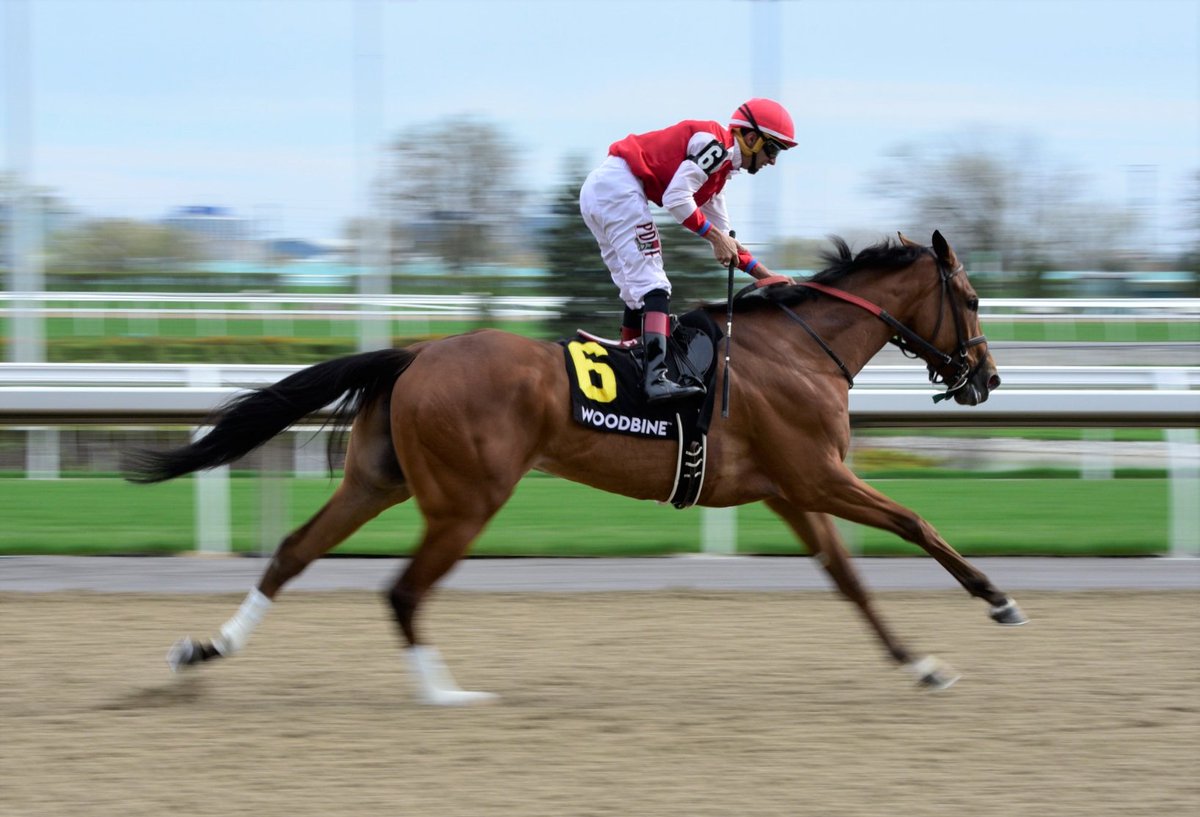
<point x="953" y="370"/>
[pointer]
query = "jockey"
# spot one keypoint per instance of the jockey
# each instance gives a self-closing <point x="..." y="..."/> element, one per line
<point x="682" y="168"/>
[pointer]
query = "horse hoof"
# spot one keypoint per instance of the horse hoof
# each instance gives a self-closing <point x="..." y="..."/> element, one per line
<point x="459" y="697"/>
<point x="1008" y="614"/>
<point x="932" y="674"/>
<point x="183" y="653"/>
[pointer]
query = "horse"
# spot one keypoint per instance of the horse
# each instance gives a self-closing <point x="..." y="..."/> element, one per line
<point x="416" y="429"/>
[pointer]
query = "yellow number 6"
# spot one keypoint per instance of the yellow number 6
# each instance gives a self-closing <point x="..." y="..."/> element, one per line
<point x="606" y="392"/>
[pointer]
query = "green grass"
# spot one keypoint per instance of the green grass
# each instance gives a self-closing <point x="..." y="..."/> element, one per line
<point x="1122" y="435"/>
<point x="1093" y="331"/>
<point x="552" y="517"/>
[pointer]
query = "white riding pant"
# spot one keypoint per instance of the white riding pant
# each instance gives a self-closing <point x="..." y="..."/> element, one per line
<point x="616" y="210"/>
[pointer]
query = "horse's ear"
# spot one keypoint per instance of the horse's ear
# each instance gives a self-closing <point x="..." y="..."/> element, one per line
<point x="945" y="252"/>
<point x="906" y="241"/>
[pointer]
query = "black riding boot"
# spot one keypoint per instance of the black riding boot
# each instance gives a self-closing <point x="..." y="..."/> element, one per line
<point x="659" y="387"/>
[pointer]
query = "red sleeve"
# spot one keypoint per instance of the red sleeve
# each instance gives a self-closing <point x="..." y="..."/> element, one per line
<point x="697" y="222"/>
<point x="746" y="261"/>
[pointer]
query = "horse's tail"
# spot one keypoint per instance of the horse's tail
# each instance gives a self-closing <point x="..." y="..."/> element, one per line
<point x="249" y="420"/>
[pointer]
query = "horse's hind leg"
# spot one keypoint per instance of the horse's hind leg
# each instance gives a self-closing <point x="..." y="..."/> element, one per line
<point x="346" y="511"/>
<point x="445" y="541"/>
<point x="371" y="484"/>
<point x="460" y="489"/>
<point x="819" y="534"/>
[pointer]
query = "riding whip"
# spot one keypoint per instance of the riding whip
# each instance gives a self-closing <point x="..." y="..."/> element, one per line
<point x="728" y="330"/>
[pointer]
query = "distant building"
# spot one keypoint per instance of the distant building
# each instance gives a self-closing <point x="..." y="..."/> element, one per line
<point x="222" y="234"/>
<point x="301" y="249"/>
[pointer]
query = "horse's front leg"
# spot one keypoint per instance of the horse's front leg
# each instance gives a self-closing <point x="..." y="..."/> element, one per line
<point x="819" y="534"/>
<point x="852" y="499"/>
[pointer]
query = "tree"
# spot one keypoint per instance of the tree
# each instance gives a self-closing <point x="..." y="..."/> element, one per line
<point x="51" y="211"/>
<point x="451" y="185"/>
<point x="1190" y="258"/>
<point x="122" y="245"/>
<point x="1007" y="205"/>
<point x="800" y="254"/>
<point x="575" y="271"/>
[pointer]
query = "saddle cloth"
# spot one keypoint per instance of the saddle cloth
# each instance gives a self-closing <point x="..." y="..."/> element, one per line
<point x="607" y="395"/>
<point x="606" y="381"/>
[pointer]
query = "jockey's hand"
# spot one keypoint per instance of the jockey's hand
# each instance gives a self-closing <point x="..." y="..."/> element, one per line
<point x="725" y="249"/>
<point x="761" y="271"/>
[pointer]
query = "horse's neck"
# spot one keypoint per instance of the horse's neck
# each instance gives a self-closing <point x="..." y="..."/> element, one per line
<point x="851" y="333"/>
<point x="855" y="333"/>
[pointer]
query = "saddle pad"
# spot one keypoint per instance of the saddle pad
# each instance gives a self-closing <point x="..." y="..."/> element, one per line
<point x="606" y="385"/>
<point x="606" y="392"/>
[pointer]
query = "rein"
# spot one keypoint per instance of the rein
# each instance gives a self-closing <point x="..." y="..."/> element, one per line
<point x="953" y="370"/>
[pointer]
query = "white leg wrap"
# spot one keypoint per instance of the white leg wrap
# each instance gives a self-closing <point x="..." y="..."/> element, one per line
<point x="435" y="682"/>
<point x="921" y="667"/>
<point x="236" y="631"/>
<point x="932" y="673"/>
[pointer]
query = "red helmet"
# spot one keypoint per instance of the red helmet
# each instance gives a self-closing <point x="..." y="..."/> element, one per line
<point x="768" y="118"/>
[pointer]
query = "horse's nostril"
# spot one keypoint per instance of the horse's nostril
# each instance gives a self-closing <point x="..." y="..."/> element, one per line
<point x="993" y="382"/>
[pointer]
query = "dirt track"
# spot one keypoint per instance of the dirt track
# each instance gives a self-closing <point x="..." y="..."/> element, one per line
<point x="685" y="703"/>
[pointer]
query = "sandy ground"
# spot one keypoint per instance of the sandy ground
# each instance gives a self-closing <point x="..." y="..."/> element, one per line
<point x="631" y="703"/>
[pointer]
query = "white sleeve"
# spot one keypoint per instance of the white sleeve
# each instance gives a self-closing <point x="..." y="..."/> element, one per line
<point x="680" y="196"/>
<point x="714" y="211"/>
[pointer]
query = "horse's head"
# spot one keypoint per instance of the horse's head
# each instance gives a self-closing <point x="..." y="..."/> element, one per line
<point x="945" y="324"/>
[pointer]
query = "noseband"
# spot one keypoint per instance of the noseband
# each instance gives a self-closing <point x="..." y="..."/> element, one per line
<point x="951" y="370"/>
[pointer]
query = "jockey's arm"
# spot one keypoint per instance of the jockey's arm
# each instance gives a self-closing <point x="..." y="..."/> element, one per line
<point x="679" y="198"/>
<point x="714" y="209"/>
<point x="708" y="220"/>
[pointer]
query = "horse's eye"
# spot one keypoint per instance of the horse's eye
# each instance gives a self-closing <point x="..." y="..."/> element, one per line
<point x="973" y="304"/>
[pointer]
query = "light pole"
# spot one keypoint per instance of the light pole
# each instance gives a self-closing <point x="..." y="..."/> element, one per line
<point x="27" y="343"/>
<point x="373" y="250"/>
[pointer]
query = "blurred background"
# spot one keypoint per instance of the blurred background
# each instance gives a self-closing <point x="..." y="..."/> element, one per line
<point x="202" y="196"/>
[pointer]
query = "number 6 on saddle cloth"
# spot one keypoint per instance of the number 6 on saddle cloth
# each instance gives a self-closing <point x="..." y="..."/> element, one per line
<point x="607" y="394"/>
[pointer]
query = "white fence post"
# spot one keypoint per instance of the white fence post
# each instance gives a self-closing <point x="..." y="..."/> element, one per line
<point x="1096" y="455"/>
<point x="274" y="479"/>
<point x="1183" y="477"/>
<point x="213" y="519"/>
<point x="309" y="452"/>
<point x="213" y="525"/>
<point x="718" y="531"/>
<point x="42" y="457"/>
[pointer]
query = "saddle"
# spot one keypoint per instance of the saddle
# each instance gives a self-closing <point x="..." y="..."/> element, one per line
<point x="606" y="393"/>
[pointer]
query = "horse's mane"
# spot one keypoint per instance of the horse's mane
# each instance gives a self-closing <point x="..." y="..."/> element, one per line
<point x="886" y="256"/>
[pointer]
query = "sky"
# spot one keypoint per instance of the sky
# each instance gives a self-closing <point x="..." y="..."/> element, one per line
<point x="276" y="108"/>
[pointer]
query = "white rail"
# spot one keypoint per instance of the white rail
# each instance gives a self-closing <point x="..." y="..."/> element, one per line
<point x="233" y="305"/>
<point x="250" y="305"/>
<point x="1105" y="396"/>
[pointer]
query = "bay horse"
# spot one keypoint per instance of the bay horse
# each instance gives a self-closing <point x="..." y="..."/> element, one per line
<point x="456" y="422"/>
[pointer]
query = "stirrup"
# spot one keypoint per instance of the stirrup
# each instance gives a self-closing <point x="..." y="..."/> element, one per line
<point x="664" y="389"/>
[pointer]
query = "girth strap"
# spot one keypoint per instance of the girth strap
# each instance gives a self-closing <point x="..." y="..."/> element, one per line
<point x="689" y="466"/>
